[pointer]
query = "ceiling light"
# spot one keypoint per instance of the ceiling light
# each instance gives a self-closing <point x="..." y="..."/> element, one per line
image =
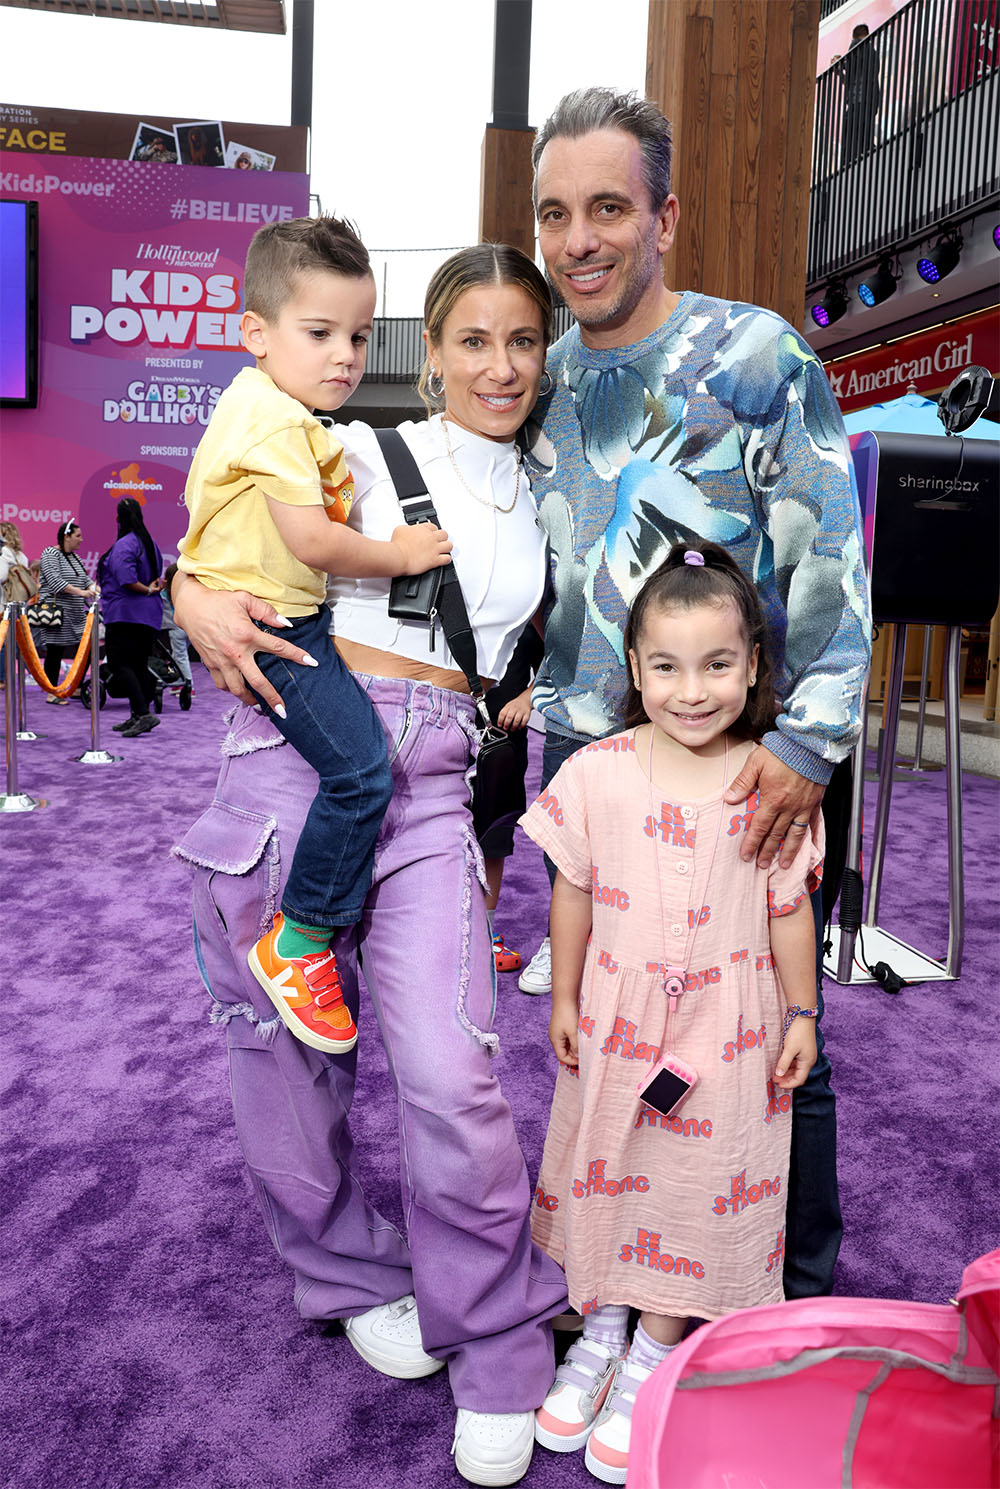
<point x="942" y="258"/>
<point x="879" y="284"/>
<point x="833" y="304"/>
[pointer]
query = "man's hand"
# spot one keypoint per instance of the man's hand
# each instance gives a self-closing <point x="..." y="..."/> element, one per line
<point x="789" y="806"/>
<point x="516" y="713"/>
<point x="220" y="625"/>
<point x="420" y="547"/>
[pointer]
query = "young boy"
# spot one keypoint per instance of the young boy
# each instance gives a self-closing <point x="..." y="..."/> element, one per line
<point x="269" y="493"/>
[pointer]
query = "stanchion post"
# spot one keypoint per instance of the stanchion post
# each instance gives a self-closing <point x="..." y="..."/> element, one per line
<point x="95" y="755"/>
<point x="889" y="737"/>
<point x="953" y="765"/>
<point x="23" y="732"/>
<point x="13" y="800"/>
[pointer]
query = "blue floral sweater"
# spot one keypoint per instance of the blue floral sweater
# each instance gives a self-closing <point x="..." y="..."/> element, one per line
<point x="720" y="425"/>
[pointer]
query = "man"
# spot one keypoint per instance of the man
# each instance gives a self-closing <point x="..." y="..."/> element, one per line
<point x="676" y="415"/>
<point x="862" y="95"/>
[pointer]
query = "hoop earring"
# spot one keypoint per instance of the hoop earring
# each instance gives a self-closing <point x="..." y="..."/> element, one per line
<point x="432" y="378"/>
<point x="546" y="384"/>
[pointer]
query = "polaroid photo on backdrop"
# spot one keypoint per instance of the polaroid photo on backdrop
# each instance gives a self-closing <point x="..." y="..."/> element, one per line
<point x="245" y="158"/>
<point x="153" y="143"/>
<point x="200" y="143"/>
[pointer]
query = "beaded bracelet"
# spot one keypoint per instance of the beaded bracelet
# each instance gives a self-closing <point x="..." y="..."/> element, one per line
<point x="795" y="1012"/>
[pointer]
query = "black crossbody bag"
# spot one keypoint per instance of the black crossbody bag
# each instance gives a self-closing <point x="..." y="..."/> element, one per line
<point x="437" y="596"/>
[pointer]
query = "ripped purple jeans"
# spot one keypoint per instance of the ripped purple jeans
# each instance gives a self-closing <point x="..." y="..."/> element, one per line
<point x="484" y="1291"/>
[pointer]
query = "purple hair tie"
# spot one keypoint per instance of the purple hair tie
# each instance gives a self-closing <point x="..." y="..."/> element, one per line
<point x="691" y="557"/>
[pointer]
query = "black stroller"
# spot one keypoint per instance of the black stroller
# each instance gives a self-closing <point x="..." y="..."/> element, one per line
<point x="164" y="669"/>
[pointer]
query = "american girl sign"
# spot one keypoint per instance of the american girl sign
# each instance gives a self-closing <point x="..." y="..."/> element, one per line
<point x="930" y="359"/>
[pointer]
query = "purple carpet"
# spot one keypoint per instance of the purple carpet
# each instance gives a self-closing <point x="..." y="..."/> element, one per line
<point x="148" y="1335"/>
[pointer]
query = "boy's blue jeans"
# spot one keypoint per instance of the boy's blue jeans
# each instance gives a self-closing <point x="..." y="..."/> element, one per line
<point x="334" y="728"/>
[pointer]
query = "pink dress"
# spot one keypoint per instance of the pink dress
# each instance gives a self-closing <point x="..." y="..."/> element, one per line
<point x="682" y="1215"/>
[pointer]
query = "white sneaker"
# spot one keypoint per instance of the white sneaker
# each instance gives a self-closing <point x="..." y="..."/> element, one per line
<point x="388" y="1337"/>
<point x="493" y="1448"/>
<point x="537" y="975"/>
<point x="607" y="1445"/>
<point x="566" y="1417"/>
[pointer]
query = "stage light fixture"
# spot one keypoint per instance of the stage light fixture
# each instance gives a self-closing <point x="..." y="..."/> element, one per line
<point x="879" y="284"/>
<point x="833" y="304"/>
<point x="942" y="258"/>
<point x="996" y="237"/>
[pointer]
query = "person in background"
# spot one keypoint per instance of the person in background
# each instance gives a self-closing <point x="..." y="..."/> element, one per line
<point x="17" y="584"/>
<point x="129" y="576"/>
<point x="65" y="581"/>
<point x="178" y="644"/>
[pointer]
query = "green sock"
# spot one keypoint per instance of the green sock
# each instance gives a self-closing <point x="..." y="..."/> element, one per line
<point x="296" y="939"/>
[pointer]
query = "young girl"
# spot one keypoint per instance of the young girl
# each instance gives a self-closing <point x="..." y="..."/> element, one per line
<point x="664" y="940"/>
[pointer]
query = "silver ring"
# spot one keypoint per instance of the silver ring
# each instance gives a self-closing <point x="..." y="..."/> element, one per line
<point x="798" y="824"/>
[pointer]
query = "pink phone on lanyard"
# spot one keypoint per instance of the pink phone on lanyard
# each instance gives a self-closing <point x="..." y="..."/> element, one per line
<point x="667" y="1084"/>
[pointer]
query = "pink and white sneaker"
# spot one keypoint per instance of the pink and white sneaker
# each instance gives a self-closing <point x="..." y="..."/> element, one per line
<point x="607" y="1445"/>
<point x="566" y="1417"/>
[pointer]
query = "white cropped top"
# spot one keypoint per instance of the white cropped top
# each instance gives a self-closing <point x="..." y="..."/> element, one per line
<point x="499" y="556"/>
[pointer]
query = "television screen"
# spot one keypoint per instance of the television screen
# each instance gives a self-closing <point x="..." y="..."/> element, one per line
<point x="19" y="299"/>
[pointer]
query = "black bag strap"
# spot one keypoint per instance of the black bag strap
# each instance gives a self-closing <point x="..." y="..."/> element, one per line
<point x="411" y="490"/>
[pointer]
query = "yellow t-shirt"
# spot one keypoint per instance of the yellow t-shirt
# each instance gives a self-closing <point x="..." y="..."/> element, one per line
<point x="260" y="440"/>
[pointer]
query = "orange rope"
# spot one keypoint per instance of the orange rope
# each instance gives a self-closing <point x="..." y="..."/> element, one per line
<point x="3" y="628"/>
<point x="78" y="666"/>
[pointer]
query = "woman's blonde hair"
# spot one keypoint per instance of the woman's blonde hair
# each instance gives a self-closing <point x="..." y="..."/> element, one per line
<point x="485" y="263"/>
<point x="10" y="537"/>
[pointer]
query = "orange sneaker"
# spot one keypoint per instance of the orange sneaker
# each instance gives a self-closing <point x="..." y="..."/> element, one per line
<point x="307" y="993"/>
<point x="504" y="959"/>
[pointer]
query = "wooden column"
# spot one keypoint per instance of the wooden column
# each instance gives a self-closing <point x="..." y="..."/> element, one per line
<point x="505" y="213"/>
<point x="737" y="79"/>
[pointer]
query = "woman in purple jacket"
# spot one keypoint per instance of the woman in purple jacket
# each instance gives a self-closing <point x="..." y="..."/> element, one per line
<point x="129" y="576"/>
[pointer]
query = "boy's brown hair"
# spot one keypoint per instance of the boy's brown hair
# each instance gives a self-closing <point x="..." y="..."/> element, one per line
<point x="282" y="251"/>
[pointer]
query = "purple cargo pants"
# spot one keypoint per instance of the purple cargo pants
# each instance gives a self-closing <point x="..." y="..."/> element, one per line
<point x="485" y="1293"/>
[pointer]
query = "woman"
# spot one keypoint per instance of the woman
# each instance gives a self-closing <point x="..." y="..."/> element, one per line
<point x="65" y="581"/>
<point x="129" y="576"/>
<point x="17" y="584"/>
<point x="484" y="1293"/>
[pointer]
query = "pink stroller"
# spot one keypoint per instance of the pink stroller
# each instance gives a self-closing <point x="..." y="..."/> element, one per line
<point x="830" y="1393"/>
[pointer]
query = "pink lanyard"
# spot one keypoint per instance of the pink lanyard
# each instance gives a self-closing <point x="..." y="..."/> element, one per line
<point x="674" y="977"/>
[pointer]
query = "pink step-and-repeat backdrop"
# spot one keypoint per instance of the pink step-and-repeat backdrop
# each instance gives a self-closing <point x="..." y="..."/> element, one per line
<point x="140" y="297"/>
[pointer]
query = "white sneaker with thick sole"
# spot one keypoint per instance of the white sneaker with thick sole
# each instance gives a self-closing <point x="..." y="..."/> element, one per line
<point x="566" y="1417"/>
<point x="493" y="1448"/>
<point x="607" y="1445"/>
<point x="537" y="975"/>
<point x="388" y="1337"/>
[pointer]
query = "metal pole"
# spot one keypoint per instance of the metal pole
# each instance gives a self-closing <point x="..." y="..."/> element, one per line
<point x="845" y="951"/>
<point x="889" y="737"/>
<point x="95" y="755"/>
<point x="922" y="708"/>
<point x="953" y="761"/>
<point x="13" y="800"/>
<point x="23" y="732"/>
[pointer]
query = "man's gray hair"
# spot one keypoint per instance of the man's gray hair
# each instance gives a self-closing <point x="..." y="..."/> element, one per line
<point x="588" y="109"/>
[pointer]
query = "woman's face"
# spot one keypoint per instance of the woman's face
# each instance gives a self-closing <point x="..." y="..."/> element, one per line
<point x="72" y="541"/>
<point x="491" y="356"/>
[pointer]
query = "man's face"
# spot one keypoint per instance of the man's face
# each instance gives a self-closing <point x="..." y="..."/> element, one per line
<point x="601" y="238"/>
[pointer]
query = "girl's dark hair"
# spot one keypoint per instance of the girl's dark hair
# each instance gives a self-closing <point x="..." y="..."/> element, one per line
<point x="677" y="585"/>
<point x="130" y="520"/>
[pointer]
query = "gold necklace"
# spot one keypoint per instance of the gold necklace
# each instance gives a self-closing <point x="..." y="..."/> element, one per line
<point x="496" y="507"/>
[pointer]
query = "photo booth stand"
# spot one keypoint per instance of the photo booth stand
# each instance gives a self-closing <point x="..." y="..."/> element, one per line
<point x="931" y="509"/>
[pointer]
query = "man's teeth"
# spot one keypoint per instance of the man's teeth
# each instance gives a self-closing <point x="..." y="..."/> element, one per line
<point x="583" y="278"/>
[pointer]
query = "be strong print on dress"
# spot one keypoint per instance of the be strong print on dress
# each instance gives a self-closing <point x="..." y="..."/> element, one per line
<point x="672" y="1079"/>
